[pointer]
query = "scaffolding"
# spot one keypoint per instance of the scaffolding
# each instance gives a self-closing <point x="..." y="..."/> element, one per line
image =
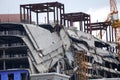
<point x="82" y="63"/>
<point x="55" y="7"/>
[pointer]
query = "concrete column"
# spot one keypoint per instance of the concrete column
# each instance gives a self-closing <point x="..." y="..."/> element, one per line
<point x="4" y="65"/>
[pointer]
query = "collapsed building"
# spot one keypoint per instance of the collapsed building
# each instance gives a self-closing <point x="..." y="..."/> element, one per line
<point x="54" y="48"/>
<point x="59" y="47"/>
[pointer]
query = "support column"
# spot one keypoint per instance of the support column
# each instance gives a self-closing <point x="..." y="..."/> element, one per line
<point x="37" y="17"/>
<point x="100" y="33"/>
<point x="60" y="16"/>
<point x="106" y="34"/>
<point x="80" y="23"/>
<point x="27" y="15"/>
<point x="4" y="63"/>
<point x="68" y="23"/>
<point x="30" y="16"/>
<point x="71" y="22"/>
<point x="54" y="14"/>
<point x="57" y="14"/>
<point x="47" y="14"/>
<point x="87" y="25"/>
<point x="20" y="13"/>
<point x="90" y="25"/>
<point x="24" y="14"/>
<point x="64" y="15"/>
<point x="112" y="34"/>
<point x="84" y="26"/>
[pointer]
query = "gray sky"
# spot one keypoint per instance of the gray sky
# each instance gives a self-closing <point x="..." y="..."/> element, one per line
<point x="98" y="9"/>
<point x="12" y="6"/>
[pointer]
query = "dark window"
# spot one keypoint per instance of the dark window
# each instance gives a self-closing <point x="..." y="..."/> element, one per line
<point x="24" y="76"/>
<point x="0" y="76"/>
<point x="10" y="76"/>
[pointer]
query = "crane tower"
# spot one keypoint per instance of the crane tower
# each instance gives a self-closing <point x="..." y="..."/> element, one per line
<point x="114" y="19"/>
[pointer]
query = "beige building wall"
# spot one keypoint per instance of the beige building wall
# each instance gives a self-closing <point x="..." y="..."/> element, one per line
<point x="10" y="18"/>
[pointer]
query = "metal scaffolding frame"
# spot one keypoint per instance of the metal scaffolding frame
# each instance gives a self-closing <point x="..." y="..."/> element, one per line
<point x="82" y="63"/>
<point x="103" y="27"/>
<point x="55" y="7"/>
<point x="82" y="18"/>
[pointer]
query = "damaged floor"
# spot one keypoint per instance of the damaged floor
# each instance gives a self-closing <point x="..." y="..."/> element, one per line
<point x="55" y="48"/>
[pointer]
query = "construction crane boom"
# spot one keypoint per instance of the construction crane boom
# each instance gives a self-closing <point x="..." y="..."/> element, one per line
<point x="114" y="19"/>
<point x="113" y="7"/>
<point x="112" y="16"/>
<point x="115" y="23"/>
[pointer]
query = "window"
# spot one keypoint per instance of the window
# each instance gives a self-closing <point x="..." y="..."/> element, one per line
<point x="10" y="76"/>
<point x="24" y="76"/>
<point x="0" y="76"/>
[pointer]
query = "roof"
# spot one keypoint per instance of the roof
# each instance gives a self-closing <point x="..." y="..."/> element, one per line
<point x="42" y="7"/>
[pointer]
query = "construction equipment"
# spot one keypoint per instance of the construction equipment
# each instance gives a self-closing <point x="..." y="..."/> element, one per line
<point x="82" y="63"/>
<point x="115" y="22"/>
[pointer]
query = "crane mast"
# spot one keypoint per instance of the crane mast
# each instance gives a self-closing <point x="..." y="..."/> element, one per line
<point x="115" y="22"/>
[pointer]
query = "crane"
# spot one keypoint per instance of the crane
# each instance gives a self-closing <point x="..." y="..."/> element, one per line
<point x="115" y="22"/>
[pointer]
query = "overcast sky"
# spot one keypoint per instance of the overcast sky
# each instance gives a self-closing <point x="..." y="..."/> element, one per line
<point x="98" y="9"/>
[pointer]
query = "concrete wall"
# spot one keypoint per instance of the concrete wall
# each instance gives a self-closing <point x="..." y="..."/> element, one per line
<point x="49" y="76"/>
